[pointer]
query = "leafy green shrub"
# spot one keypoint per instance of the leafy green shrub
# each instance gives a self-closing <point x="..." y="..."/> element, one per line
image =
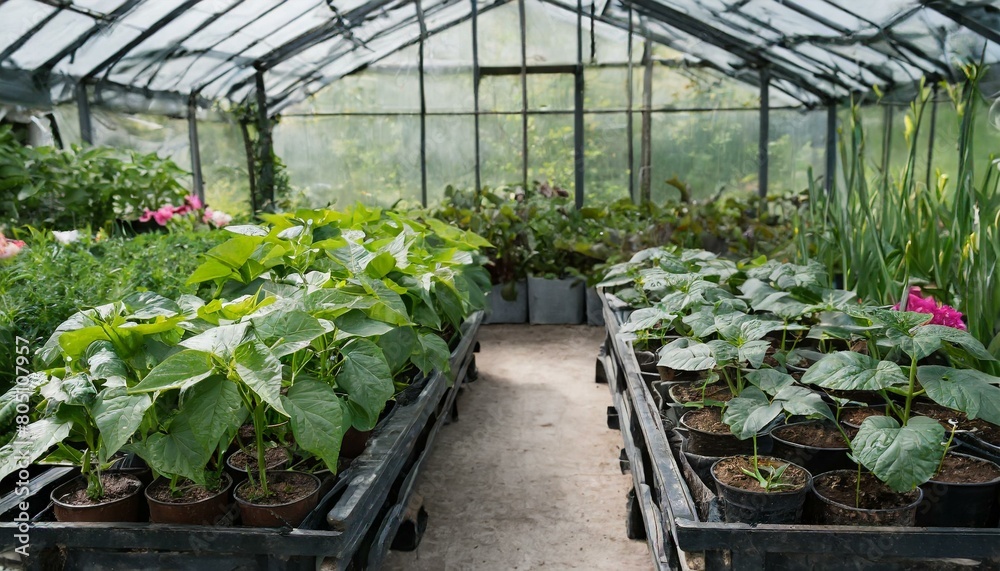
<point x="47" y="187"/>
<point x="47" y="282"/>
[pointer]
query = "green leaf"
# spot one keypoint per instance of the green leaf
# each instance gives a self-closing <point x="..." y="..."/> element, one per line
<point x="398" y="345"/>
<point x="356" y="323"/>
<point x="148" y="305"/>
<point x="288" y="331"/>
<point x="117" y="416"/>
<point x="261" y="371"/>
<point x="902" y="457"/>
<point x="800" y="401"/>
<point x="970" y="391"/>
<point x="432" y="353"/>
<point x="769" y="380"/>
<point x="220" y="341"/>
<point x="176" y="453"/>
<point x="926" y="339"/>
<point x="180" y="369"/>
<point x="105" y="364"/>
<point x="753" y="352"/>
<point x="750" y="413"/>
<point x="366" y="379"/>
<point x="213" y="409"/>
<point x="79" y="390"/>
<point x="381" y="265"/>
<point x="317" y="419"/>
<point x="852" y="371"/>
<point x="31" y="443"/>
<point x="686" y="354"/>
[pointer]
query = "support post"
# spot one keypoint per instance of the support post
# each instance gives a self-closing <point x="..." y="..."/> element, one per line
<point x="931" y="135"/>
<point x="830" y="176"/>
<point x="251" y="168"/>
<point x="524" y="92"/>
<point x="475" y="91"/>
<point x="765" y="135"/>
<point x="628" y="116"/>
<point x="423" y="108"/>
<point x="646" y="152"/>
<point x="83" y="106"/>
<point x="578" y="108"/>
<point x="197" y="180"/>
<point x="265" y="147"/>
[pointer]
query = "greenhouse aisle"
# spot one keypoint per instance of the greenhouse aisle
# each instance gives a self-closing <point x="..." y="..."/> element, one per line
<point x="528" y="478"/>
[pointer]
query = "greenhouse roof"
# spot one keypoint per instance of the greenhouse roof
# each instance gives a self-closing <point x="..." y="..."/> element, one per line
<point x="160" y="55"/>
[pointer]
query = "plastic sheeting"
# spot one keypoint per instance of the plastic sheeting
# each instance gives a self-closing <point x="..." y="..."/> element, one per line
<point x="154" y="54"/>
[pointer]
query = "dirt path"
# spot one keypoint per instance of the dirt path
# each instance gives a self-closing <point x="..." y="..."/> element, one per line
<point x="528" y="478"/>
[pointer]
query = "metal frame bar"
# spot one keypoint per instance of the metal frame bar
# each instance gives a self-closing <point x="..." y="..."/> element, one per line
<point x="646" y="151"/>
<point x="83" y="106"/>
<point x="475" y="92"/>
<point x="578" y="127"/>
<point x="830" y="176"/>
<point x="765" y="133"/>
<point x="629" y="128"/>
<point x="957" y="16"/>
<point x="265" y="144"/>
<point x="654" y="110"/>
<point x="197" y="180"/>
<point x="119" y="12"/>
<point x="423" y="105"/>
<point x="524" y="90"/>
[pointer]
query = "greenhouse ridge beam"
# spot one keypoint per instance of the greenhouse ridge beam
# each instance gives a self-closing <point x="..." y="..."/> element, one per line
<point x="946" y="9"/>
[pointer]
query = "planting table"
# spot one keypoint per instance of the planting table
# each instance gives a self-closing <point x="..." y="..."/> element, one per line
<point x="683" y="533"/>
<point x="352" y="527"/>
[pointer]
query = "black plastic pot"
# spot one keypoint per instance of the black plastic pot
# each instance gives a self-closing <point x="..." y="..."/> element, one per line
<point x="824" y="511"/>
<point x="756" y="507"/>
<point x="948" y="504"/>
<point x="702" y="465"/>
<point x="816" y="460"/>
<point x="713" y="444"/>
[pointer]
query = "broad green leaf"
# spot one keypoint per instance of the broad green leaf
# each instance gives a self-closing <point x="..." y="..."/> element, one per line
<point x="753" y="352"/>
<point x="210" y="270"/>
<point x="148" y="305"/>
<point x="770" y="381"/>
<point x="220" y="341"/>
<point x="30" y="443"/>
<point x="235" y="251"/>
<point x="175" y="453"/>
<point x="180" y="369"/>
<point x="317" y="419"/>
<point x="852" y="371"/>
<point x="389" y="306"/>
<point x="287" y="332"/>
<point x="261" y="371"/>
<point x="356" y="323"/>
<point x="79" y="390"/>
<point x="926" y="339"/>
<point x="686" y="354"/>
<point x="105" y="364"/>
<point x="397" y="345"/>
<point x="902" y="457"/>
<point x="970" y="391"/>
<point x="749" y="413"/>
<point x="366" y="379"/>
<point x="432" y="353"/>
<point x="247" y="230"/>
<point x="354" y="257"/>
<point x="118" y="415"/>
<point x="213" y="409"/>
<point x="381" y="265"/>
<point x="800" y="401"/>
<point x="20" y="393"/>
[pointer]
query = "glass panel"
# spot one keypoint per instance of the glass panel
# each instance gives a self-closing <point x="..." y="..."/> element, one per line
<point x="143" y="133"/>
<point x="551" y="92"/>
<point x="550" y="150"/>
<point x="500" y="149"/>
<point x="224" y="167"/>
<point x="451" y="154"/>
<point x="551" y="35"/>
<point x="798" y="142"/>
<point x="500" y="93"/>
<point x="499" y="36"/>
<point x="340" y="160"/>
<point x="605" y="158"/>
<point x="606" y="88"/>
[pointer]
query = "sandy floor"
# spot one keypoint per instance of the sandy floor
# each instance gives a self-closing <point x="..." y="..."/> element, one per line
<point x="528" y="478"/>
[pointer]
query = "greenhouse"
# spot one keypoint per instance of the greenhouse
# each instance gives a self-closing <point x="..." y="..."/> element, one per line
<point x="488" y="284"/>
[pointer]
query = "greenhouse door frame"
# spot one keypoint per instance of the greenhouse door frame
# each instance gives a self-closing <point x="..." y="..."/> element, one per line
<point x="576" y="71"/>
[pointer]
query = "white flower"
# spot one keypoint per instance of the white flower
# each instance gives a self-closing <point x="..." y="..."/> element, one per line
<point x="217" y="218"/>
<point x="66" y="238"/>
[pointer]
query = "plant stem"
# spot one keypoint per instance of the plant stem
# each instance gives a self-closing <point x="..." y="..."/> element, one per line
<point x="910" y="391"/>
<point x="259" y="423"/>
<point x="857" y="489"/>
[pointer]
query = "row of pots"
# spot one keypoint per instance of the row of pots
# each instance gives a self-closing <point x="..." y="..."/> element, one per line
<point x="542" y="301"/>
<point x="298" y="494"/>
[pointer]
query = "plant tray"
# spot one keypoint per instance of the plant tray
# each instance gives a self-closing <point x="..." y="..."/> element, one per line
<point x="681" y="521"/>
<point x="352" y="526"/>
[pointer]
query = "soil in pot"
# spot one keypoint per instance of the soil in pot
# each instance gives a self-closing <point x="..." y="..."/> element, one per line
<point x="833" y="501"/>
<point x="709" y="436"/>
<point x="854" y="416"/>
<point x="240" y="461"/>
<point x="816" y="446"/>
<point x="962" y="494"/>
<point x="667" y="374"/>
<point x="944" y="414"/>
<point x="744" y="500"/>
<point x="120" y="501"/>
<point x="292" y="496"/>
<point x="194" y="505"/>
<point x="694" y="392"/>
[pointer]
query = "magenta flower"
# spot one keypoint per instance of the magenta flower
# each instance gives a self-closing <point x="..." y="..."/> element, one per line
<point x="941" y="314"/>
<point x="193" y="202"/>
<point x="163" y="215"/>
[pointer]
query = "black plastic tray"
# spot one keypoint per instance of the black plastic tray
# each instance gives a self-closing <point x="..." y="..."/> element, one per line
<point x="333" y="535"/>
<point x="680" y="539"/>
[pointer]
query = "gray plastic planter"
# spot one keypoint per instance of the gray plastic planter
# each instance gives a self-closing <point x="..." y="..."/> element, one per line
<point x="556" y="301"/>
<point x="503" y="311"/>
<point x="595" y="307"/>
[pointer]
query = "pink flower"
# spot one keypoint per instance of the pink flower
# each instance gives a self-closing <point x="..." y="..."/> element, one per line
<point x="10" y="248"/>
<point x="163" y="215"/>
<point x="146" y="215"/>
<point x="193" y="202"/>
<point x="942" y="314"/>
